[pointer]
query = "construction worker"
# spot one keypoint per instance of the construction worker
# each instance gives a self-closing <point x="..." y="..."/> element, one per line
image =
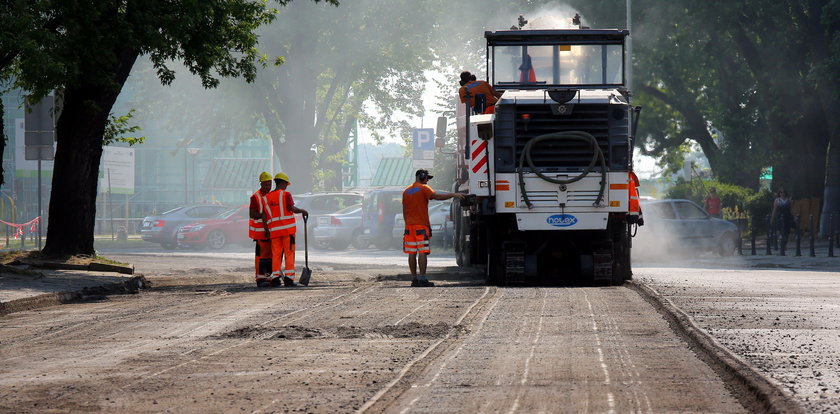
<point x="634" y="215"/>
<point x="258" y="231"/>
<point x="474" y="87"/>
<point x="282" y="228"/>
<point x="418" y="230"/>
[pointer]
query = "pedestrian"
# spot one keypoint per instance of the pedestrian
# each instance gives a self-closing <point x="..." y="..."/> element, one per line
<point x="282" y="228"/>
<point x="476" y="87"/>
<point x="258" y="231"/>
<point x="713" y="204"/>
<point x="418" y="231"/>
<point x="781" y="218"/>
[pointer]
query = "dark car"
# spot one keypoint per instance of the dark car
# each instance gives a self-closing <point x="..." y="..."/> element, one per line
<point x="682" y="225"/>
<point x="379" y="209"/>
<point x="337" y="230"/>
<point x="163" y="228"/>
<point x="229" y="226"/>
<point x="318" y="204"/>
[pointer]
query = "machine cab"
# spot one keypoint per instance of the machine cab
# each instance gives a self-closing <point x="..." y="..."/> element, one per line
<point x="556" y="59"/>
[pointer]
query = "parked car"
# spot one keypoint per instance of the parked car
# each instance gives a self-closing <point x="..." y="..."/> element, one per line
<point x="229" y="226"/>
<point x="163" y="228"/>
<point x="318" y="204"/>
<point x="440" y="220"/>
<point x="378" y="211"/>
<point x="672" y="225"/>
<point x="337" y="230"/>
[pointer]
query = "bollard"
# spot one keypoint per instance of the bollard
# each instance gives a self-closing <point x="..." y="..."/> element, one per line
<point x="831" y="235"/>
<point x="798" y="237"/>
<point x="836" y="233"/>
<point x="752" y="237"/>
<point x="740" y="236"/>
<point x="769" y="236"/>
<point x="812" y="253"/>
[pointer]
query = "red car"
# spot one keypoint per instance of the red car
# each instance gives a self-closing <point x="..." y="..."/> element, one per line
<point x="229" y="226"/>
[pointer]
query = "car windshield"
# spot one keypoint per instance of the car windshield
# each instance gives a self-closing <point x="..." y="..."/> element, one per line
<point x="171" y="211"/>
<point x="557" y="65"/>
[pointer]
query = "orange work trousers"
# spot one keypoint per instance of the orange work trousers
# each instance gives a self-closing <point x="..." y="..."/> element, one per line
<point x="262" y="258"/>
<point x="283" y="249"/>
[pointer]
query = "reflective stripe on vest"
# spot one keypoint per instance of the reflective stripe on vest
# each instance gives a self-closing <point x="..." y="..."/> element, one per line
<point x="281" y="221"/>
<point x="256" y="230"/>
<point x="635" y="209"/>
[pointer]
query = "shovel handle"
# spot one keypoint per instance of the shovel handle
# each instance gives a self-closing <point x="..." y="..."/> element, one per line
<point x="305" y="242"/>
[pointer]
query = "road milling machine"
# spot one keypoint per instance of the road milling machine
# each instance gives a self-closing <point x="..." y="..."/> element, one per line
<point x="548" y="170"/>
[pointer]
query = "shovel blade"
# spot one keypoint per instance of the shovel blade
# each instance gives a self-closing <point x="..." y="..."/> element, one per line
<point x="305" y="275"/>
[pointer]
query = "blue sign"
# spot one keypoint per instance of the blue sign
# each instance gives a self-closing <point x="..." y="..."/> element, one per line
<point x="424" y="143"/>
<point x="562" y="220"/>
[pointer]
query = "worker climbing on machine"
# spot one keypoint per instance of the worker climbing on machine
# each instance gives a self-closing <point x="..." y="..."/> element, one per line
<point x="634" y="215"/>
<point x="418" y="230"/>
<point x="281" y="224"/>
<point x="258" y="231"/>
<point x="474" y="87"/>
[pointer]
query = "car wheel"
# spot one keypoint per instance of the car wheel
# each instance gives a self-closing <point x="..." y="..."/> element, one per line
<point x="359" y="242"/>
<point x="169" y="246"/>
<point x="728" y="244"/>
<point x="339" y="244"/>
<point x="216" y="239"/>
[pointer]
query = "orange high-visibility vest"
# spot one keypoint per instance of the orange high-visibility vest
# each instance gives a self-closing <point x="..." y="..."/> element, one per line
<point x="635" y="208"/>
<point x="281" y="220"/>
<point x="256" y="230"/>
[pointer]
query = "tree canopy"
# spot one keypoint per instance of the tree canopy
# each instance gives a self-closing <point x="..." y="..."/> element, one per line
<point x="87" y="50"/>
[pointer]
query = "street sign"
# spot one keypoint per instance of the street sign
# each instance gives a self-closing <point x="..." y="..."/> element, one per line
<point x="24" y="167"/>
<point x="39" y="135"/>
<point x="117" y="170"/>
<point x="424" y="164"/>
<point x="424" y="143"/>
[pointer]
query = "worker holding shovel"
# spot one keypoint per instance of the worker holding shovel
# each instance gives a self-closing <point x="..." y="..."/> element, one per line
<point x="282" y="228"/>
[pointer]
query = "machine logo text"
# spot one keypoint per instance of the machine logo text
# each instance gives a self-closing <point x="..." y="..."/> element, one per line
<point x="562" y="220"/>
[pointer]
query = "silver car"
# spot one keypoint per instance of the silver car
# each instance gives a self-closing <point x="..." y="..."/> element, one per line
<point x="337" y="230"/>
<point x="440" y="220"/>
<point x="682" y="225"/>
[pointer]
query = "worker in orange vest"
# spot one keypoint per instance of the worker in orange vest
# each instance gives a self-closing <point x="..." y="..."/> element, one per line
<point x="634" y="216"/>
<point x="282" y="228"/>
<point x="258" y="231"/>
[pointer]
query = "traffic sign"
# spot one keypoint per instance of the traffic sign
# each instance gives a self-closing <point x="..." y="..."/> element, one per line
<point x="424" y="143"/>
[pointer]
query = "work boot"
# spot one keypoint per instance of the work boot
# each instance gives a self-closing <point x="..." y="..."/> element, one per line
<point x="288" y="282"/>
<point x="263" y="283"/>
<point x="275" y="282"/>
<point x="425" y="283"/>
<point x="414" y="282"/>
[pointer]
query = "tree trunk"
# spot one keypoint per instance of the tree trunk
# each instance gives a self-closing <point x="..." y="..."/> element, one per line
<point x="79" y="131"/>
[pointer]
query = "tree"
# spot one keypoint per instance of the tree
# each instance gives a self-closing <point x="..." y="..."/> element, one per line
<point x="212" y="38"/>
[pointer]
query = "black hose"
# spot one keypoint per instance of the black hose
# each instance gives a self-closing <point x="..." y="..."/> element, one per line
<point x="597" y="155"/>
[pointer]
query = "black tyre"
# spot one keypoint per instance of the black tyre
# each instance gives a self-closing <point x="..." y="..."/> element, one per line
<point x="216" y="239"/>
<point x="728" y="244"/>
<point x="169" y="245"/>
<point x="339" y="244"/>
<point x="359" y="242"/>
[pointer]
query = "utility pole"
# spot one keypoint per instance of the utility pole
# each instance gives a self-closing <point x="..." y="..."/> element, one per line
<point x="629" y="63"/>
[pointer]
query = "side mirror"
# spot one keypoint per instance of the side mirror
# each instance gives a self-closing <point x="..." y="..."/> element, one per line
<point x="440" y="131"/>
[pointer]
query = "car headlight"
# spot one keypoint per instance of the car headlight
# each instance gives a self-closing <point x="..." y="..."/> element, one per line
<point x="197" y="227"/>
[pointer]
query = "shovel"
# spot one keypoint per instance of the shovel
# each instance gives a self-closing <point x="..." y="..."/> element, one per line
<point x="306" y="273"/>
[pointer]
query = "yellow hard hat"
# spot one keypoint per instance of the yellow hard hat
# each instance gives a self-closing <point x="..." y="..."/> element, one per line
<point x="264" y="176"/>
<point x="282" y="176"/>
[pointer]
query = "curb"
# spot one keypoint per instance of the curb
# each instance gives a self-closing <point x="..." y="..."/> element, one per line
<point x="93" y="267"/>
<point x="761" y="393"/>
<point x="132" y="285"/>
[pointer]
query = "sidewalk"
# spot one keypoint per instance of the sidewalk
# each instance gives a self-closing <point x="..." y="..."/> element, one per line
<point x="24" y="287"/>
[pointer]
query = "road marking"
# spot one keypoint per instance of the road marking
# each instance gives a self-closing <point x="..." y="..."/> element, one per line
<point x="604" y="368"/>
<point x="423" y="355"/>
<point x="527" y="369"/>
